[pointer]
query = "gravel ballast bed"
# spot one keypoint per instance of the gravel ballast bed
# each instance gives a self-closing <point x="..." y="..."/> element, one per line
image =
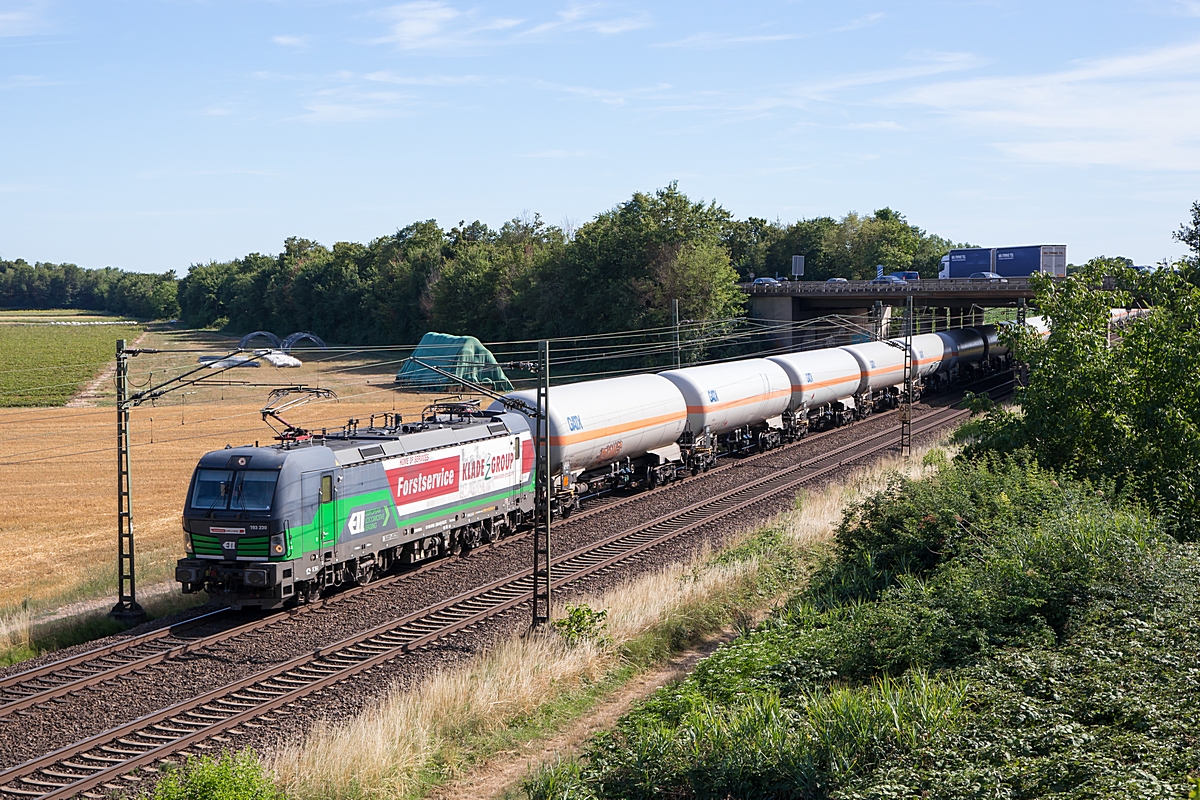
<point x="75" y="717"/>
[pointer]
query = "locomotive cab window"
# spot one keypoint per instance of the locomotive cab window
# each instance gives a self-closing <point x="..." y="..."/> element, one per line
<point x="253" y="490"/>
<point x="212" y="488"/>
<point x="326" y="488"/>
<point x="243" y="490"/>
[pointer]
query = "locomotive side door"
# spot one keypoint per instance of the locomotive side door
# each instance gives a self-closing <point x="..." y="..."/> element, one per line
<point x="327" y="515"/>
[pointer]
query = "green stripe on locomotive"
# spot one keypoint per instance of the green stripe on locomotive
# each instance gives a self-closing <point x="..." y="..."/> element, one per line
<point x="305" y="539"/>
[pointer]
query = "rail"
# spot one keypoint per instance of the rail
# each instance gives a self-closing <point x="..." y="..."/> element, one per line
<point x="109" y="756"/>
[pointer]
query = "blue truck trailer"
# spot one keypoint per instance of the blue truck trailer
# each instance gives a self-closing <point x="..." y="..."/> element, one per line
<point x="1010" y="262"/>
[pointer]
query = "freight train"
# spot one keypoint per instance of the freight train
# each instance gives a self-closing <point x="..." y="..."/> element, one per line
<point x="274" y="526"/>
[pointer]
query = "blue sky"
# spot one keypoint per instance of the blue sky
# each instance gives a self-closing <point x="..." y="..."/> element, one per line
<point x="152" y="134"/>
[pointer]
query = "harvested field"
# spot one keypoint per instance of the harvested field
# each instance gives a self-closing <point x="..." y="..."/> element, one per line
<point x="58" y="517"/>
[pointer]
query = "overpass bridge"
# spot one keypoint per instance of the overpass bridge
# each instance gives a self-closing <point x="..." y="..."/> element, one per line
<point x="937" y="304"/>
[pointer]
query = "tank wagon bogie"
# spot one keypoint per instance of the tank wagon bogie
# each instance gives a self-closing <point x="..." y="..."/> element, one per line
<point x="269" y="526"/>
<point x="609" y="434"/>
<point x="731" y="407"/>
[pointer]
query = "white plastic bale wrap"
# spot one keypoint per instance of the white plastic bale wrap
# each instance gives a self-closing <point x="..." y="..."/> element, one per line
<point x="820" y="376"/>
<point x="882" y="365"/>
<point x="597" y="423"/>
<point x="724" y="397"/>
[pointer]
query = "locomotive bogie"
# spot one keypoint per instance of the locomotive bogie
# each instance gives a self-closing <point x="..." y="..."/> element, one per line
<point x="344" y="510"/>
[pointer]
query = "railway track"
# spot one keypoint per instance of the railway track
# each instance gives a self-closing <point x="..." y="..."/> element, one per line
<point x="91" y="668"/>
<point x="104" y="762"/>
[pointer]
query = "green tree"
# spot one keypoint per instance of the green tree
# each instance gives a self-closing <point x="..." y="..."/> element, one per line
<point x="616" y="265"/>
<point x="811" y="238"/>
<point x="1113" y="404"/>
<point x="750" y="242"/>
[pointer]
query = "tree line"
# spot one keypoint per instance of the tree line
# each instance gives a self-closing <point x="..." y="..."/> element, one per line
<point x="528" y="279"/>
<point x="42" y="285"/>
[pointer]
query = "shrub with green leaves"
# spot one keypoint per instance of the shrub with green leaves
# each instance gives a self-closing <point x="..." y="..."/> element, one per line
<point x="230" y="776"/>
<point x="582" y="623"/>
<point x="990" y="631"/>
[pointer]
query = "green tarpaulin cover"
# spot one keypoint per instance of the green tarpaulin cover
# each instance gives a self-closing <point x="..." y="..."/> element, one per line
<point x="463" y="356"/>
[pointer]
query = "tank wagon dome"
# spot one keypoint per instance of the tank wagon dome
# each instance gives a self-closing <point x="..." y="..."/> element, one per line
<point x="819" y="377"/>
<point x="882" y="365"/>
<point x="723" y="397"/>
<point x="596" y="423"/>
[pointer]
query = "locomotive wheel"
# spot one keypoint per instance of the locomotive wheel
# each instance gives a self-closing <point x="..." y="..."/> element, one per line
<point x="312" y="592"/>
<point x="365" y="575"/>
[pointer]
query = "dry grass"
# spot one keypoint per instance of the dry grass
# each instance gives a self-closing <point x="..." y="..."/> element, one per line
<point x="14" y="634"/>
<point x="392" y="749"/>
<point x="58" y="515"/>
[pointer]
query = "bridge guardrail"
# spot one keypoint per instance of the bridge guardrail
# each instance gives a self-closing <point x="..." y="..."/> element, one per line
<point x="867" y="287"/>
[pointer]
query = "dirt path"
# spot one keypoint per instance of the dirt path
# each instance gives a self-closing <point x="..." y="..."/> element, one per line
<point x="88" y="395"/>
<point x="502" y="774"/>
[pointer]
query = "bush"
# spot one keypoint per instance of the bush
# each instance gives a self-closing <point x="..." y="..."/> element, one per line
<point x="581" y="623"/>
<point x="230" y="776"/>
<point x="994" y="630"/>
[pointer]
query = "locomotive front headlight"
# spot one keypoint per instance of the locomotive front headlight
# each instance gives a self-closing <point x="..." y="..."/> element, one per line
<point x="277" y="545"/>
<point x="187" y="543"/>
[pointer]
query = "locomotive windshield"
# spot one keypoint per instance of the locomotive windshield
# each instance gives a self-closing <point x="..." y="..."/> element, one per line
<point x="238" y="490"/>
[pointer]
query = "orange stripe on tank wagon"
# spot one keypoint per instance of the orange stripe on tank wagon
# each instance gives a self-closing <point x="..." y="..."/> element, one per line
<point x="614" y="430"/>
<point x="701" y="409"/>
<point x="828" y="382"/>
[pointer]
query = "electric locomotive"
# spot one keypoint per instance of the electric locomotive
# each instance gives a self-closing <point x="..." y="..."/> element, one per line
<point x="272" y="526"/>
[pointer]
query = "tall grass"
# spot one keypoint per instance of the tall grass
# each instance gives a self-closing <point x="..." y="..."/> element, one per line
<point x="15" y="642"/>
<point x="438" y="729"/>
<point x="764" y="747"/>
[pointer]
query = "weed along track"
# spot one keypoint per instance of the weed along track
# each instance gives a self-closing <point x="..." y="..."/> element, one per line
<point x="259" y="699"/>
<point x="86" y="670"/>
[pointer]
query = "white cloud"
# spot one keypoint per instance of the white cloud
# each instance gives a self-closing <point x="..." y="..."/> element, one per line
<point x="861" y="22"/>
<point x="27" y="20"/>
<point x="612" y="97"/>
<point x="433" y="25"/>
<point x="353" y="104"/>
<point x="290" y="41"/>
<point x="1140" y="110"/>
<point x="587" y="18"/>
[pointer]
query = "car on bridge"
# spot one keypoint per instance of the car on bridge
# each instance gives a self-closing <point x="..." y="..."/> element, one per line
<point x="987" y="276"/>
<point x="889" y="279"/>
